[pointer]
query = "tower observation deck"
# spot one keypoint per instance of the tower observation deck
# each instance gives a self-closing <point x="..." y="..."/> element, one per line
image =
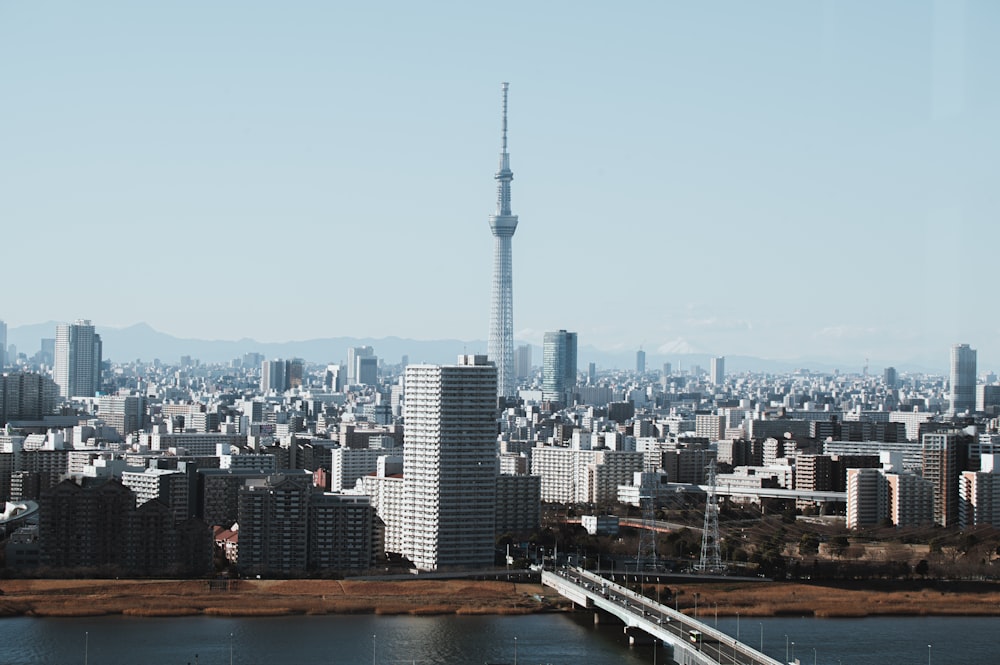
<point x="502" y="225"/>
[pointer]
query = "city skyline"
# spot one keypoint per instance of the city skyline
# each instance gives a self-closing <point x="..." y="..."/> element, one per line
<point x="778" y="181"/>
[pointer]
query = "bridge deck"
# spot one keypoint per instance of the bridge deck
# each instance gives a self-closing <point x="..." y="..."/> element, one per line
<point x="693" y="642"/>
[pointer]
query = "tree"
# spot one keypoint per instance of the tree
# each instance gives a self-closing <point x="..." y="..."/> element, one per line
<point x="921" y="568"/>
<point x="808" y="544"/>
<point x="838" y="545"/>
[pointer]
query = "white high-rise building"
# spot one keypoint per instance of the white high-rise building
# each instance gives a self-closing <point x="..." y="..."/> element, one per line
<point x="449" y="464"/>
<point x="502" y="225"/>
<point x="77" y="369"/>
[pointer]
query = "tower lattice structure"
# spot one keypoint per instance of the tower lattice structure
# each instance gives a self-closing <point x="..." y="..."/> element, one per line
<point x="502" y="225"/>
<point x="648" y="500"/>
<point x="711" y="559"/>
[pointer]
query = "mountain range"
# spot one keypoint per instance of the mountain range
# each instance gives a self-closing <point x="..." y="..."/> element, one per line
<point x="142" y="342"/>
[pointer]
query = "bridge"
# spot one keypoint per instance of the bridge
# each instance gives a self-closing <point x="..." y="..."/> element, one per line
<point x="691" y="641"/>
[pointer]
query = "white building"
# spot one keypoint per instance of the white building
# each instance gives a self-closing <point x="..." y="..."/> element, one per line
<point x="449" y="463"/>
<point x="979" y="494"/>
<point x="583" y="476"/>
<point x="77" y="368"/>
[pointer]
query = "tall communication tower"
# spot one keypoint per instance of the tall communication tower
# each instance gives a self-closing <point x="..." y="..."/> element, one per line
<point x="711" y="559"/>
<point x="503" y="224"/>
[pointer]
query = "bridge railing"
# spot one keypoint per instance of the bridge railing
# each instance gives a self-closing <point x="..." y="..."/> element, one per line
<point x="722" y="643"/>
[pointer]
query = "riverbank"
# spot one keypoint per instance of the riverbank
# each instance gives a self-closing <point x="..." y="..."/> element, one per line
<point x="772" y="599"/>
<point x="248" y="598"/>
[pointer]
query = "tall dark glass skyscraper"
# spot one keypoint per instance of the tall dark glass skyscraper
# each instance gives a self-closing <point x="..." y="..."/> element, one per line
<point x="963" y="379"/>
<point x="558" y="364"/>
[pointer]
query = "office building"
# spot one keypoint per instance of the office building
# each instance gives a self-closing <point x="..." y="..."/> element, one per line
<point x="502" y="226"/>
<point x="274" y="375"/>
<point x="449" y="464"/>
<point x="717" y="370"/>
<point x="988" y="399"/>
<point x="558" y="365"/>
<point x="353" y="355"/>
<point x="963" y="379"/>
<point x="522" y="361"/>
<point x="367" y="371"/>
<point x="640" y="361"/>
<point x="77" y="369"/>
<point x="3" y="344"/>
<point x="890" y="378"/>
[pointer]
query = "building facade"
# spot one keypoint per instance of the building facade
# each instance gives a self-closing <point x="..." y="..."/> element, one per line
<point x="559" y="356"/>
<point x="449" y="464"/>
<point x="77" y="369"/>
<point x="963" y="379"/>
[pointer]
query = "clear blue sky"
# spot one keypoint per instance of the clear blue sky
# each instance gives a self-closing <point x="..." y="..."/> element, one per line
<point x="781" y="179"/>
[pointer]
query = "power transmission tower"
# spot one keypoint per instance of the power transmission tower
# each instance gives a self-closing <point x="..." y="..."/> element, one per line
<point x="711" y="560"/>
<point x="648" y="498"/>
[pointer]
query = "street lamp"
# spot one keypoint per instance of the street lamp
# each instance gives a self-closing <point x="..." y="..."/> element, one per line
<point x="716" y="614"/>
<point x="230" y="649"/>
<point x="761" y="636"/>
<point x="928" y="654"/>
<point x="786" y="649"/>
<point x="373" y="649"/>
<point x="86" y="646"/>
<point x="814" y="655"/>
<point x="515" y="650"/>
<point x="737" y="626"/>
<point x="793" y="651"/>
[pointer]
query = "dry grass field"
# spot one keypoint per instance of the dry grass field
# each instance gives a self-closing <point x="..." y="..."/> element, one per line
<point x="789" y="599"/>
<point x="155" y="598"/>
<point x="266" y="597"/>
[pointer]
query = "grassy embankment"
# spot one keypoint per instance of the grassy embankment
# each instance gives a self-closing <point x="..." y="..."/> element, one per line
<point x="791" y="599"/>
<point x="154" y="598"/>
<point x="265" y="598"/>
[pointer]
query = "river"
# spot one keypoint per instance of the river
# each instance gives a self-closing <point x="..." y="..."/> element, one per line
<point x="558" y="639"/>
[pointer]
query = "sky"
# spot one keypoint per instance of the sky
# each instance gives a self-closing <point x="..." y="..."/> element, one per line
<point x="781" y="179"/>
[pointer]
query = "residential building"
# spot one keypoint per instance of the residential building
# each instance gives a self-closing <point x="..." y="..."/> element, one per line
<point x="449" y="463"/>
<point x="944" y="456"/>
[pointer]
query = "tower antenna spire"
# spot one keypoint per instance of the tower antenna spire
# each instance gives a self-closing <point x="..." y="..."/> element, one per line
<point x="504" y="175"/>
<point x="505" y="86"/>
